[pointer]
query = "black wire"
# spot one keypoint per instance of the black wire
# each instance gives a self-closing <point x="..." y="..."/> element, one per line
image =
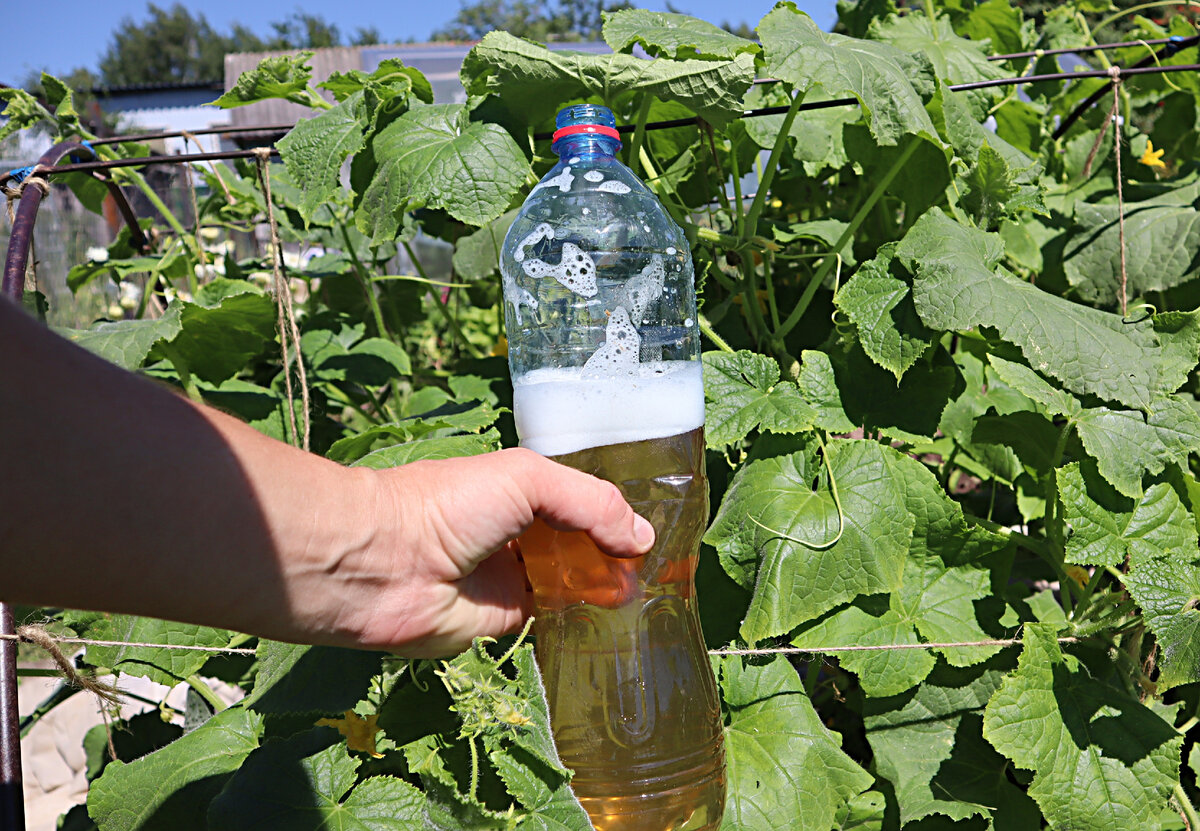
<point x="1177" y="43"/>
<point x="656" y="125"/>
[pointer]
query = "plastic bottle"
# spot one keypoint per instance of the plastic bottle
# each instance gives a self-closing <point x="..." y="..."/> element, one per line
<point x="605" y="357"/>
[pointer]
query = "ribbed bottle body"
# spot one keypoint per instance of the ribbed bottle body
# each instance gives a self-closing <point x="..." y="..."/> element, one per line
<point x="604" y="351"/>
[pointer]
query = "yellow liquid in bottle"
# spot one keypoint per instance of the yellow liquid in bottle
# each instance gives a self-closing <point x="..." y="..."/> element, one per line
<point x="633" y="702"/>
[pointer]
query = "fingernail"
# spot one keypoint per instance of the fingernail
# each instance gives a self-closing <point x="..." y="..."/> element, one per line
<point x="643" y="532"/>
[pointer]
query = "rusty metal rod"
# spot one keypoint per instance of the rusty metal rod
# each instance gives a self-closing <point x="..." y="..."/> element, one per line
<point x="12" y="800"/>
<point x="149" y="160"/>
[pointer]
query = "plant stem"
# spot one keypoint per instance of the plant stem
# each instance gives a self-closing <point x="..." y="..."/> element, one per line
<point x="61" y="694"/>
<point x="829" y="262"/>
<point x="639" y="132"/>
<point x="365" y="282"/>
<point x="1185" y="805"/>
<point x="739" y="208"/>
<point x="455" y="329"/>
<point x="717" y="340"/>
<point x="764" y="184"/>
<point x="206" y="692"/>
<point x="474" y="768"/>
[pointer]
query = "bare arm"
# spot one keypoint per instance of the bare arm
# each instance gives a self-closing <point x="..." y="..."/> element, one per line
<point x="116" y="494"/>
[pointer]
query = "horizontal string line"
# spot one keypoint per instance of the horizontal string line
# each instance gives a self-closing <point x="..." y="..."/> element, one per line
<point x="797" y="650"/>
<point x="176" y="646"/>
<point x="777" y="650"/>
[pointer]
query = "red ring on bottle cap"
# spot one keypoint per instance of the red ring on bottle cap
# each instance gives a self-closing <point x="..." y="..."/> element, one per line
<point x="575" y="129"/>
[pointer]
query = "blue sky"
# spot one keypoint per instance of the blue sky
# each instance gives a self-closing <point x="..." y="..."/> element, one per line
<point x="80" y="33"/>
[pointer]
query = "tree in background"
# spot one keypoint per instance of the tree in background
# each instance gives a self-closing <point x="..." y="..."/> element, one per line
<point x="175" y="45"/>
<point x="561" y="20"/>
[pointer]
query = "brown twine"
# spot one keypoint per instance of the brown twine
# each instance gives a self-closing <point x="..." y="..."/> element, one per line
<point x="93" y="642"/>
<point x="1114" y="72"/>
<point x="283" y="302"/>
<point x="38" y="636"/>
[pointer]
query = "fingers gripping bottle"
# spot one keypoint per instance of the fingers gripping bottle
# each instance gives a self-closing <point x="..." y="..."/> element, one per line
<point x="605" y="358"/>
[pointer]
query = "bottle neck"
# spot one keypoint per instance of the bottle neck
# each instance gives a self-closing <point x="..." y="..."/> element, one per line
<point x="586" y="145"/>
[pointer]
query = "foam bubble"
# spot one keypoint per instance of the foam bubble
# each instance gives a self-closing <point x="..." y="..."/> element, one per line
<point x="576" y="270"/>
<point x="613" y="186"/>
<point x="562" y="181"/>
<point x="560" y="411"/>
<point x="594" y="176"/>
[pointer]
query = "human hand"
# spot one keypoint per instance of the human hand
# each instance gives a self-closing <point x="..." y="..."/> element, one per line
<point x="441" y="567"/>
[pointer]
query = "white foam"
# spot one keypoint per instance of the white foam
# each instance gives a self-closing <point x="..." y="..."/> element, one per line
<point x="560" y="411"/>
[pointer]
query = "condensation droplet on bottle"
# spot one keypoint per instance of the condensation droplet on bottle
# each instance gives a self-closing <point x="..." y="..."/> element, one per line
<point x="671" y="250"/>
<point x="689" y="323"/>
<point x="646" y="228"/>
<point x="587" y="211"/>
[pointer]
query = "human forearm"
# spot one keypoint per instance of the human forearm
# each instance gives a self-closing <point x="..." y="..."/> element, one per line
<point x="120" y="495"/>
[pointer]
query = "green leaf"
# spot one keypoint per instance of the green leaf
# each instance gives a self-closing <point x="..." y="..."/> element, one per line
<point x="534" y="82"/>
<point x="436" y="157"/>
<point x="990" y="186"/>
<point x="230" y="323"/>
<point x="826" y="231"/>
<point x="340" y="356"/>
<point x="880" y="76"/>
<point x="929" y="746"/>
<point x="1160" y="236"/>
<point x="862" y="813"/>
<point x="776" y="533"/>
<point x="742" y="393"/>
<point x="126" y="343"/>
<point x="433" y="424"/>
<point x="881" y="308"/>
<point x="163" y="666"/>
<point x="446" y="447"/>
<point x="531" y="767"/>
<point x="1168" y="591"/>
<point x="477" y="255"/>
<point x="21" y="111"/>
<point x="849" y="391"/>
<point x="171" y="787"/>
<point x="314" y="150"/>
<point x="1089" y="351"/>
<point x="1127" y="443"/>
<point x="1033" y="386"/>
<point x="882" y="672"/>
<point x="1108" y="527"/>
<point x="282" y="76"/>
<point x="1100" y="759"/>
<point x="784" y="765"/>
<point x="301" y="784"/>
<point x="998" y="21"/>
<point x="293" y="678"/>
<point x="955" y="59"/>
<point x="671" y="35"/>
<point x="945" y="572"/>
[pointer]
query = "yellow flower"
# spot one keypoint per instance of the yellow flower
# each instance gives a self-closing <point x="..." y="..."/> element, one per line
<point x="500" y="348"/>
<point x="1079" y="575"/>
<point x="359" y="732"/>
<point x="1152" y="157"/>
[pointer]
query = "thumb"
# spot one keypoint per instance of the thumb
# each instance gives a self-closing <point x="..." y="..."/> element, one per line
<point x="570" y="500"/>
